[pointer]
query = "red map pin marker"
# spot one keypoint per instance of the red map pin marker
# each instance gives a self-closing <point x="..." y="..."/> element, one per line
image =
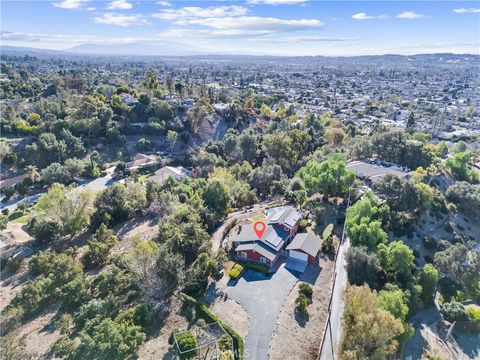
<point x="259" y="227"/>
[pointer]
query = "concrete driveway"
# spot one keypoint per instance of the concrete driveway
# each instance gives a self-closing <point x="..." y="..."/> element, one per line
<point x="263" y="297"/>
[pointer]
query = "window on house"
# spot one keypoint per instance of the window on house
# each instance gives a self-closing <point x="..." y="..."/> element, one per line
<point x="243" y="254"/>
<point x="263" y="260"/>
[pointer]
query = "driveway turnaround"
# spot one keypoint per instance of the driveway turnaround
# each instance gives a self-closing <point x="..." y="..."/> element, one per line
<point x="263" y="297"/>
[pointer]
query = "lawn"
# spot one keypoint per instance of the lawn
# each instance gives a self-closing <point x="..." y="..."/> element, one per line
<point x="19" y="216"/>
<point x="259" y="217"/>
<point x="22" y="219"/>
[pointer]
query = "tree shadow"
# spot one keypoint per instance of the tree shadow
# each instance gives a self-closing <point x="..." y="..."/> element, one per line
<point x="301" y="318"/>
<point x="311" y="273"/>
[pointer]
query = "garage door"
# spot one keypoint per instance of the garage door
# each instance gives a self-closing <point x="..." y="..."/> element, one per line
<point x="297" y="255"/>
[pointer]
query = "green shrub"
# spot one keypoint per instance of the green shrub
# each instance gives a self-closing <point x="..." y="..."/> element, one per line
<point x="236" y="271"/>
<point x="473" y="314"/>
<point x="306" y="290"/>
<point x="448" y="227"/>
<point x="225" y="342"/>
<point x="327" y="246"/>
<point x="327" y="232"/>
<point x="454" y="311"/>
<point x="257" y="267"/>
<point x="430" y="242"/>
<point x="303" y="225"/>
<point x="226" y="355"/>
<point x="187" y="343"/>
<point x="301" y="302"/>
<point x="12" y="265"/>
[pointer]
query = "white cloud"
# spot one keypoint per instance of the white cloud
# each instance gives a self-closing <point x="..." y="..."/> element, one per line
<point x="70" y="4"/>
<point x="410" y="15"/>
<point x="120" y="19"/>
<point x="164" y="3"/>
<point x="184" y="33"/>
<point x="466" y="11"/>
<point x="276" y="2"/>
<point x="304" y="38"/>
<point x="91" y="8"/>
<point x="364" y="16"/>
<point x="119" y="5"/>
<point x="255" y="23"/>
<point x="191" y="12"/>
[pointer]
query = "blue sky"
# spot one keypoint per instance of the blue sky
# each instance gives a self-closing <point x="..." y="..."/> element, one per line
<point x="257" y="27"/>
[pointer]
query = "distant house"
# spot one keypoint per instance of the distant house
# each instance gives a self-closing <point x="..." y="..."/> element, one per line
<point x="127" y="99"/>
<point x="372" y="173"/>
<point x="142" y="161"/>
<point x="179" y="173"/>
<point x="188" y="102"/>
<point x="282" y="226"/>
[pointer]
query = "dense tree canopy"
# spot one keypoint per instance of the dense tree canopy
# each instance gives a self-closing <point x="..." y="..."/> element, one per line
<point x="329" y="177"/>
<point x="370" y="332"/>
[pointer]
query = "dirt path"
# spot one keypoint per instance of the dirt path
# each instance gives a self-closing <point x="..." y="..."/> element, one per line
<point x="15" y="234"/>
<point x="298" y="336"/>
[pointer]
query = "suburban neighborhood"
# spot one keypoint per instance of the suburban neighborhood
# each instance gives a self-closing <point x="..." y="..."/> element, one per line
<point x="258" y="180"/>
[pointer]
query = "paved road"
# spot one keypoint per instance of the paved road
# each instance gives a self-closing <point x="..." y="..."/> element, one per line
<point x="12" y="205"/>
<point x="262" y="296"/>
<point x="93" y="185"/>
<point x="333" y="334"/>
<point x="334" y="330"/>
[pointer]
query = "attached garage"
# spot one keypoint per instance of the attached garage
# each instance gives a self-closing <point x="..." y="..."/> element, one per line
<point x="305" y="247"/>
<point x="297" y="255"/>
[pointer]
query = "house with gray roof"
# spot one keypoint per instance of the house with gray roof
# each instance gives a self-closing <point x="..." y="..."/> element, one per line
<point x="305" y="247"/>
<point x="179" y="173"/>
<point x="281" y="228"/>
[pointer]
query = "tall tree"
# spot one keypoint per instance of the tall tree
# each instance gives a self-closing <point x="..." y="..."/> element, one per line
<point x="169" y="84"/>
<point x="31" y="172"/>
<point x="69" y="207"/>
<point x="369" y="332"/>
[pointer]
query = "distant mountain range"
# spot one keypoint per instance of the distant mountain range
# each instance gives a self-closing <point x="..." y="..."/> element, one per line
<point x="157" y="49"/>
<point x="171" y="49"/>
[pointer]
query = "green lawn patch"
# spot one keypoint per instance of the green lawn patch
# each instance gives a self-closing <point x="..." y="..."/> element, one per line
<point x="258" y="217"/>
<point x="143" y="178"/>
<point x="22" y="219"/>
<point x="18" y="216"/>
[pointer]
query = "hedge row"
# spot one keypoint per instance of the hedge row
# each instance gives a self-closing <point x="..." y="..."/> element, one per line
<point x="204" y="312"/>
<point x="254" y="266"/>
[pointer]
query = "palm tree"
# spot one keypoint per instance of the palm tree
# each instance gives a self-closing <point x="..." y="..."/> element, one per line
<point x="31" y="172"/>
<point x="151" y="81"/>
<point x="179" y="89"/>
<point x="169" y="84"/>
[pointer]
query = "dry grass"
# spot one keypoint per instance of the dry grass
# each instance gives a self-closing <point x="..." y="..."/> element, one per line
<point x="40" y="333"/>
<point x="298" y="336"/>
<point x="157" y="347"/>
<point x="233" y="314"/>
